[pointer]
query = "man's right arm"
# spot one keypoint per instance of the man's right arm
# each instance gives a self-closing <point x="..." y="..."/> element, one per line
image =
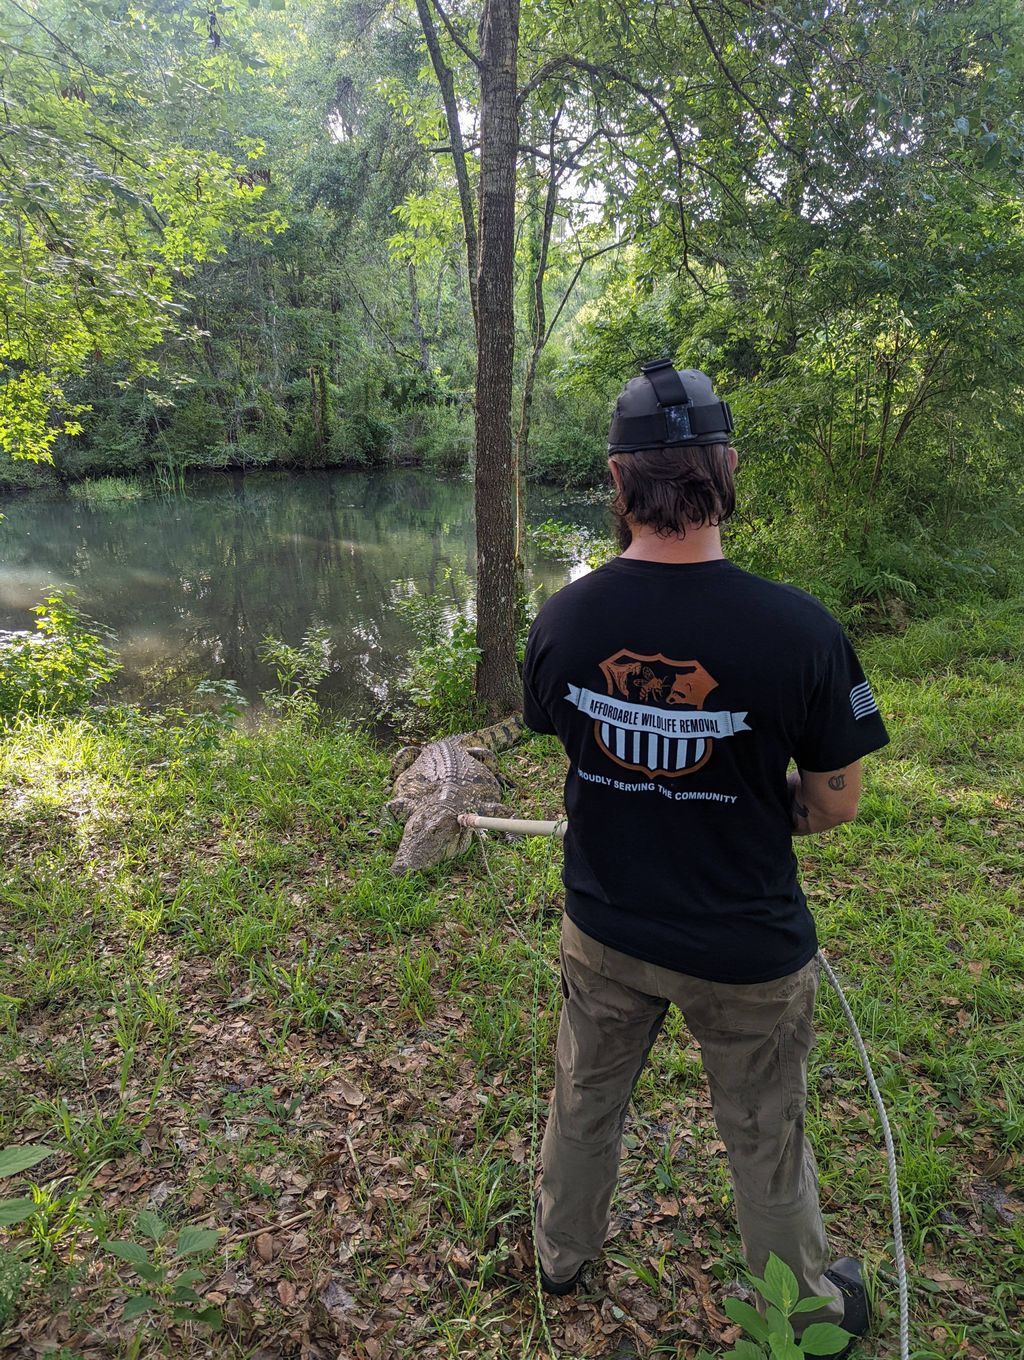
<point x="535" y="714"/>
<point x="820" y="800"/>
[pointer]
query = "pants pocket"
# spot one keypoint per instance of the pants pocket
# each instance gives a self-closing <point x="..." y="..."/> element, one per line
<point x="793" y="1064"/>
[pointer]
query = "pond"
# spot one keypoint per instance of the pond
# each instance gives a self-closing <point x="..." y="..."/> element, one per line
<point x="191" y="584"/>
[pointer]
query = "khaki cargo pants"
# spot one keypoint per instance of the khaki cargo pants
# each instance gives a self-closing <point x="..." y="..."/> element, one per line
<point x="754" y="1039"/>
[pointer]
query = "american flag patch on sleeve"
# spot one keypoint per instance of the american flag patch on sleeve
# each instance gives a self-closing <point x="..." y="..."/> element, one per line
<point x="862" y="701"/>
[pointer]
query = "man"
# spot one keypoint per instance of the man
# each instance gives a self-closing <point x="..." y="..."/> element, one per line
<point x="681" y="687"/>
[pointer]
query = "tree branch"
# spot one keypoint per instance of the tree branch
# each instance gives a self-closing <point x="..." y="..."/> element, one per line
<point x="447" y="85"/>
<point x="615" y="245"/>
<point x="723" y="67"/>
<point x="452" y="33"/>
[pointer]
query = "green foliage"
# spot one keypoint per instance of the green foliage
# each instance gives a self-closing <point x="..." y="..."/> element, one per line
<point x="773" y="1334"/>
<point x="58" y="668"/>
<point x="110" y="490"/>
<point x="361" y="439"/>
<point x="19" y="475"/>
<point x="568" y="441"/>
<point x="113" y="436"/>
<point x="114" y="193"/>
<point x="210" y="723"/>
<point x="441" y="674"/>
<point x="14" y="1273"/>
<point x="302" y="447"/>
<point x="195" y="429"/>
<point x="247" y="451"/>
<point x="299" y="670"/>
<point x="442" y="438"/>
<point x="571" y="543"/>
<point x="167" y="1274"/>
<point x="12" y="1161"/>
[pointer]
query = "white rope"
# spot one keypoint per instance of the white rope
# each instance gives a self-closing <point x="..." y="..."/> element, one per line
<point x="519" y="827"/>
<point x="540" y="962"/>
<point x="890" y="1157"/>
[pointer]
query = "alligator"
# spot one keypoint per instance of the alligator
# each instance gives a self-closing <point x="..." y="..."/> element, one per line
<point x="437" y="782"/>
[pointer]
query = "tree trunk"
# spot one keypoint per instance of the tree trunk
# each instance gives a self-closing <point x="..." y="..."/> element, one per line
<point x="498" y="684"/>
<point x="318" y="410"/>
<point x="538" y="228"/>
<point x="446" y="83"/>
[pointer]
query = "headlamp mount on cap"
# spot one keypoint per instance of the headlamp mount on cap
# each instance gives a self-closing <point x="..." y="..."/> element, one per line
<point x="659" y="409"/>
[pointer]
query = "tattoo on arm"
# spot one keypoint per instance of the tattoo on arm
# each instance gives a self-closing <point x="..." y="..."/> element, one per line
<point x="837" y="782"/>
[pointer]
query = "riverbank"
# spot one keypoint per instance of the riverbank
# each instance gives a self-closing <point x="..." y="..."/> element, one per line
<point x="220" y="1008"/>
<point x="881" y="578"/>
<point x="192" y="585"/>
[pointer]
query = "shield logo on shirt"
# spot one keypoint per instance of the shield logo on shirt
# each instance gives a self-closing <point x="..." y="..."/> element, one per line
<point x="660" y="685"/>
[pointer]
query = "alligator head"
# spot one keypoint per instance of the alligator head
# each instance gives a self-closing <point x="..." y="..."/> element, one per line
<point x="432" y="834"/>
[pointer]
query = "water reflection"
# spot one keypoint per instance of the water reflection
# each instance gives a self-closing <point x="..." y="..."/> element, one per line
<point x="191" y="585"/>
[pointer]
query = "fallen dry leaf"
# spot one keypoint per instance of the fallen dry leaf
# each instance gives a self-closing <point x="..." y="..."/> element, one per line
<point x="337" y="1300"/>
<point x="349" y="1092"/>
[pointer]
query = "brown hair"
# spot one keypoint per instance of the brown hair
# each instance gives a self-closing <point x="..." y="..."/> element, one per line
<point x="674" y="489"/>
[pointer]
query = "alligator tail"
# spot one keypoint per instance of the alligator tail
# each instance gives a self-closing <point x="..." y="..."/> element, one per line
<point x="499" y="736"/>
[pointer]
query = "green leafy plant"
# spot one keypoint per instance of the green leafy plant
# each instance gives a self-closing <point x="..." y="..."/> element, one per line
<point x="12" y="1161"/>
<point x="13" y="1274"/>
<point x="58" y="668"/>
<point x="299" y="669"/>
<point x="571" y="543"/>
<point x="773" y="1334"/>
<point x="209" y="725"/>
<point x="440" y="680"/>
<point x="168" y="1279"/>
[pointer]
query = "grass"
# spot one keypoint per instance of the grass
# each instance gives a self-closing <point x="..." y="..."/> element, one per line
<point x="110" y="490"/>
<point x="217" y="1003"/>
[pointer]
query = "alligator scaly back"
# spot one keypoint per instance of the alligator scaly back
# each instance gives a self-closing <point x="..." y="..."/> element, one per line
<point x="446" y="778"/>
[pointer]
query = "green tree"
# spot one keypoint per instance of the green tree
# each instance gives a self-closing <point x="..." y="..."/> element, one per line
<point x="111" y="199"/>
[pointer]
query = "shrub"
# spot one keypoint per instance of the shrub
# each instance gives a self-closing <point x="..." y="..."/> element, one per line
<point x="299" y="670"/>
<point x="442" y="438"/>
<point x="361" y="440"/>
<point x="247" y="451"/>
<point x="112" y="442"/>
<point x="568" y="438"/>
<point x="58" y="668"/>
<point x="440" y="680"/>
<point x="22" y="475"/>
<point x="194" y="430"/>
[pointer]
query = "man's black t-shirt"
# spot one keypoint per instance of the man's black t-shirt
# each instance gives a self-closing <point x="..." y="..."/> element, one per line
<point x="680" y="693"/>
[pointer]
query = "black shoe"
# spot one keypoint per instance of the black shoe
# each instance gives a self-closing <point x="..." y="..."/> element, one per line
<point x="845" y="1275"/>
<point x="560" y="1287"/>
<point x="550" y="1286"/>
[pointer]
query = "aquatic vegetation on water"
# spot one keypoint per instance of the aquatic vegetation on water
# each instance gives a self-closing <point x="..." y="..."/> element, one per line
<point x="111" y="490"/>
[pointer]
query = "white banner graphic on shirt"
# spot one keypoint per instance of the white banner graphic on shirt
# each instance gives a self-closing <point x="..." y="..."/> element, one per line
<point x="672" y="736"/>
<point x="661" y="722"/>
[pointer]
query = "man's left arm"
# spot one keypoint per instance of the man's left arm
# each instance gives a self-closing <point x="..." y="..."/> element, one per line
<point x="842" y="724"/>
<point x="821" y="800"/>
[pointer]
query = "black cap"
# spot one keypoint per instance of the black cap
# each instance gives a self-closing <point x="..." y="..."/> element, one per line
<point x="666" y="406"/>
